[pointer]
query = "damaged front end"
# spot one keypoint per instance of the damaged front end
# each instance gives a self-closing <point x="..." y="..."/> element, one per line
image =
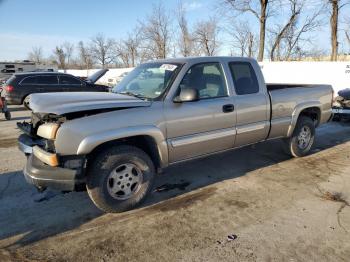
<point x="45" y="167"/>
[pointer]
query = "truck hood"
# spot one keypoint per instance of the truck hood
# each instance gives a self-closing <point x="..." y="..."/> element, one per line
<point x="63" y="103"/>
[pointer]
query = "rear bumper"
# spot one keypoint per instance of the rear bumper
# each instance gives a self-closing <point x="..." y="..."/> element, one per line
<point x="342" y="111"/>
<point x="13" y="100"/>
<point x="42" y="175"/>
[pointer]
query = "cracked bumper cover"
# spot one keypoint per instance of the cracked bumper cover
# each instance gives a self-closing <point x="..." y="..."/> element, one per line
<point x="41" y="175"/>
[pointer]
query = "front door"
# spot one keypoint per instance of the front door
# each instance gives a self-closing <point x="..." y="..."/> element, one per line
<point x="204" y="126"/>
<point x="70" y="84"/>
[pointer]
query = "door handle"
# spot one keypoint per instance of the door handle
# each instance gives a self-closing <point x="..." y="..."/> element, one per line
<point x="228" y="108"/>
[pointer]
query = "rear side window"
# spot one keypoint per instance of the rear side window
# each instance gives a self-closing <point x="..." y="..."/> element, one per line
<point x="29" y="80"/>
<point x="244" y="78"/>
<point x="47" y="80"/>
<point x="68" y="80"/>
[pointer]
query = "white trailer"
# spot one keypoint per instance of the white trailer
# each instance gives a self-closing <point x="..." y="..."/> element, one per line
<point x="9" y="68"/>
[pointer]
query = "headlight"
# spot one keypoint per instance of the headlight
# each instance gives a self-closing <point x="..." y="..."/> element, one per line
<point x="48" y="130"/>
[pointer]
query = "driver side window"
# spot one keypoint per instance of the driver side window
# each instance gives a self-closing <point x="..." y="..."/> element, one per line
<point x="207" y="78"/>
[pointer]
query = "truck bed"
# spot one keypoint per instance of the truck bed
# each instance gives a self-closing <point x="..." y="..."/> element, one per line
<point x="285" y="99"/>
<point x="271" y="87"/>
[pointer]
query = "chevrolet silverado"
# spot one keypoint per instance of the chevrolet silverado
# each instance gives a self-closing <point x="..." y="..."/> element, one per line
<point x="162" y="113"/>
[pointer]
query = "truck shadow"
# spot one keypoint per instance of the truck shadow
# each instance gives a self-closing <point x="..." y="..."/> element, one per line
<point x="27" y="216"/>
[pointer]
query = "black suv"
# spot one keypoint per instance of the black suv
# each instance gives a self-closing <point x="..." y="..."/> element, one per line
<point x="21" y="85"/>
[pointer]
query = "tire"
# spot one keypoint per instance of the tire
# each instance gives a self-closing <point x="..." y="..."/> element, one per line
<point x="26" y="102"/>
<point x="111" y="170"/>
<point x="302" y="139"/>
<point x="7" y="115"/>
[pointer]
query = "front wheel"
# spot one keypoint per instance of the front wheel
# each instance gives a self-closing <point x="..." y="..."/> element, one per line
<point x="302" y="139"/>
<point x="119" y="178"/>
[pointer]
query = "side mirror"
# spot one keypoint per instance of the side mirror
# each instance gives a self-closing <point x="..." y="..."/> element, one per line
<point x="187" y="95"/>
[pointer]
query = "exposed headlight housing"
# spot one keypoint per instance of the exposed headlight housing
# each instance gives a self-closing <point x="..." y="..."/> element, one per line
<point x="48" y="130"/>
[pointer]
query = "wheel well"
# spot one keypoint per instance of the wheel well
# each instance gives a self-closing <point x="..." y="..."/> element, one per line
<point x="145" y="143"/>
<point x="24" y="97"/>
<point x="312" y="112"/>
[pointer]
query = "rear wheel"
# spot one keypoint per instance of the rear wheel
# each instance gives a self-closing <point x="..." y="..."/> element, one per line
<point x="7" y="115"/>
<point x="119" y="178"/>
<point x="26" y="101"/>
<point x="303" y="137"/>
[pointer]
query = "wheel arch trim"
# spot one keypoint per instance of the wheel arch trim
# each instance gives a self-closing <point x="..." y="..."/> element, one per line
<point x="297" y="111"/>
<point x="88" y="144"/>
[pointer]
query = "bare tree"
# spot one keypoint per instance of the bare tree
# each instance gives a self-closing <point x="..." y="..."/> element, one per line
<point x="102" y="49"/>
<point x="259" y="9"/>
<point x="85" y="56"/>
<point x="185" y="39"/>
<point x="206" y="36"/>
<point x="336" y="6"/>
<point x="68" y="50"/>
<point x="156" y="33"/>
<point x="295" y="10"/>
<point x="243" y="38"/>
<point x="128" y="50"/>
<point x="289" y="41"/>
<point x="36" y="54"/>
<point x="59" y="57"/>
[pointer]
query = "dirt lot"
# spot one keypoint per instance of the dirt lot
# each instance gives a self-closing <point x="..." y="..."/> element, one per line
<point x="280" y="209"/>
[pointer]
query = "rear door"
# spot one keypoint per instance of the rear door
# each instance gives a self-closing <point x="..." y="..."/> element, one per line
<point x="251" y="104"/>
<point x="27" y="85"/>
<point x="47" y="83"/>
<point x="71" y="84"/>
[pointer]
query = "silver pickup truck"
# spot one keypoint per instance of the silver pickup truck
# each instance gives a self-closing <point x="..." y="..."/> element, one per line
<point x="162" y="113"/>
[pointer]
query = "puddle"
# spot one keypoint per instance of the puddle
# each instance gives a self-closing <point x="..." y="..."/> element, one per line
<point x="8" y="142"/>
<point x="183" y="201"/>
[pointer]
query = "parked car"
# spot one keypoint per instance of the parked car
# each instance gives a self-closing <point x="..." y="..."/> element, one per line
<point x="341" y="106"/>
<point x="162" y="113"/>
<point x="21" y="85"/>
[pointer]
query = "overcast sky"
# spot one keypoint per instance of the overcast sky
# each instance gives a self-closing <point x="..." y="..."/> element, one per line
<point x="47" y="23"/>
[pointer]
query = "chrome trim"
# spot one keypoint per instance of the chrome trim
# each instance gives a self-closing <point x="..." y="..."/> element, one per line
<point x="202" y="137"/>
<point x="250" y="127"/>
<point x="340" y="111"/>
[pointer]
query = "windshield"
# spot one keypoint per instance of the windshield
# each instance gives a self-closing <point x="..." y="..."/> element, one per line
<point x="148" y="81"/>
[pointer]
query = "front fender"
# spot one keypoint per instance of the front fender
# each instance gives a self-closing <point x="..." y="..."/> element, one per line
<point x="298" y="109"/>
<point x="91" y="142"/>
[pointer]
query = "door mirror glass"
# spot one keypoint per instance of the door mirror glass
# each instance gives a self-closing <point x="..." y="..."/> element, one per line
<point x="187" y="95"/>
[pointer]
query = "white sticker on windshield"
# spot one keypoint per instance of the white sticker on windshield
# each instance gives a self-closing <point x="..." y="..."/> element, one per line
<point x="169" y="67"/>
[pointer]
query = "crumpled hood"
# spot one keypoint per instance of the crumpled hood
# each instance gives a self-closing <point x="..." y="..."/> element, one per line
<point x="63" y="103"/>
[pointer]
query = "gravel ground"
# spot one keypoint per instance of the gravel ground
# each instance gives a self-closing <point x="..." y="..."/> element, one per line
<point x="274" y="208"/>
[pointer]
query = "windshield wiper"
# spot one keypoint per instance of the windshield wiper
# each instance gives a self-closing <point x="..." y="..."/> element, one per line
<point x="133" y="94"/>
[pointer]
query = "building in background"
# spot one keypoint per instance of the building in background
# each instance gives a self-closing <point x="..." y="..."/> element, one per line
<point x="9" y="68"/>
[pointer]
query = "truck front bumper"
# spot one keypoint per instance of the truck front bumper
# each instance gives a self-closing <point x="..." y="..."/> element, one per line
<point x="42" y="175"/>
